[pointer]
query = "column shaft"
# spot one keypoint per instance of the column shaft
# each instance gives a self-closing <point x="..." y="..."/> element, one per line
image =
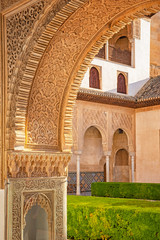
<point x="107" y="168"/>
<point x="132" y="168"/>
<point x="78" y="175"/>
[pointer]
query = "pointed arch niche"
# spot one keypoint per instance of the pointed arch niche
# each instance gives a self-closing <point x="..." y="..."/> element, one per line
<point x="38" y="217"/>
<point x="120" y="157"/>
<point x="92" y="150"/>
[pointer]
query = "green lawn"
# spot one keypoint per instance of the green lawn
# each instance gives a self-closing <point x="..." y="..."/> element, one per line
<point x="113" y="218"/>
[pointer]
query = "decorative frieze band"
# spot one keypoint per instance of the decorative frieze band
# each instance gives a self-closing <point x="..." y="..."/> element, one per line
<point x="37" y="164"/>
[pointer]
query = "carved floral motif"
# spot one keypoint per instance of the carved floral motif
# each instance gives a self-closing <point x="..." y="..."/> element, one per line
<point x="18" y="27"/>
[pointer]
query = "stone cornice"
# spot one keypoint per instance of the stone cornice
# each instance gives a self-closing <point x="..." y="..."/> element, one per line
<point x="115" y="99"/>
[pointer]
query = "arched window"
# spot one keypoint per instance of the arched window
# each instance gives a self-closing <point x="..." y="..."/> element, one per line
<point x="94" y="78"/>
<point x="120" y="51"/>
<point x="122" y="43"/>
<point x="121" y="84"/>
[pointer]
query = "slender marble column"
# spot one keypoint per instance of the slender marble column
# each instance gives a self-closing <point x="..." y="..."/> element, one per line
<point x="78" y="153"/>
<point x="132" y="166"/>
<point x="107" y="168"/>
<point x="107" y="165"/>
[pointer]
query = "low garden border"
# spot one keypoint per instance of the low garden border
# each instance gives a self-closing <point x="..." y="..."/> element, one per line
<point x="112" y="218"/>
<point x="149" y="191"/>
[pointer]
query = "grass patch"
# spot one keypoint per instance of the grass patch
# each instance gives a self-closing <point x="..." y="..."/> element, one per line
<point x="110" y="218"/>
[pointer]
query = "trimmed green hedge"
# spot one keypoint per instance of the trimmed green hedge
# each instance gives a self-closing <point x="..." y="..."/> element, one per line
<point x="108" y="218"/>
<point x="126" y="190"/>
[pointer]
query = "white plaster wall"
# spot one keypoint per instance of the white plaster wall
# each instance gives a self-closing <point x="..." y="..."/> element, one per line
<point x="1" y="214"/>
<point x="137" y="75"/>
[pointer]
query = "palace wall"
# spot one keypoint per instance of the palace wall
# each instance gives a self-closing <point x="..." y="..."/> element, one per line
<point x="135" y="76"/>
<point x="145" y="141"/>
<point x="148" y="144"/>
<point x="155" y="46"/>
<point x="107" y="119"/>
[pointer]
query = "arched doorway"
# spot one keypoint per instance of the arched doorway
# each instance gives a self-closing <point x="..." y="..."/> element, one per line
<point x="121" y="166"/>
<point x="92" y="153"/>
<point x="120" y="157"/>
<point x="92" y="148"/>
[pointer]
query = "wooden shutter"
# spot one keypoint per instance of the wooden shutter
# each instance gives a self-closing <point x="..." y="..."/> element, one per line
<point x="121" y="84"/>
<point x="94" y="78"/>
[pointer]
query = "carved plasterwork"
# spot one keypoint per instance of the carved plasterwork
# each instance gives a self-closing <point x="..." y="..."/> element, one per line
<point x="18" y="192"/>
<point x="121" y="120"/>
<point x="18" y="27"/>
<point x="97" y="118"/>
<point x="41" y="199"/>
<point x="21" y="26"/>
<point x="137" y="29"/>
<point x="93" y="117"/>
<point x="58" y="68"/>
<point x="7" y="3"/>
<point x="34" y="45"/>
<point x="27" y="164"/>
<point x="126" y="122"/>
<point x="84" y="35"/>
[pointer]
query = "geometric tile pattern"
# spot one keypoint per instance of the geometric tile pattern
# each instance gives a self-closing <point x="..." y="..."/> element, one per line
<point x="86" y="179"/>
<point x="71" y="187"/>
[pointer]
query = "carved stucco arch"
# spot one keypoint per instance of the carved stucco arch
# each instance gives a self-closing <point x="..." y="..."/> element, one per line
<point x="102" y="132"/>
<point x="118" y="149"/>
<point x="87" y="47"/>
<point x="44" y="202"/>
<point x="129" y="139"/>
<point x="49" y="21"/>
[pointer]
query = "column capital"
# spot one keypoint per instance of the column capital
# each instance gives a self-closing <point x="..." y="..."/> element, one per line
<point x="132" y="154"/>
<point x="107" y="153"/>
<point x="78" y="152"/>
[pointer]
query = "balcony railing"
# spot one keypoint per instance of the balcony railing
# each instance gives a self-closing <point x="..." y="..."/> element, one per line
<point x="120" y="56"/>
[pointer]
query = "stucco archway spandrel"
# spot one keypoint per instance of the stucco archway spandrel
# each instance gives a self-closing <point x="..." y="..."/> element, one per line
<point x="64" y="63"/>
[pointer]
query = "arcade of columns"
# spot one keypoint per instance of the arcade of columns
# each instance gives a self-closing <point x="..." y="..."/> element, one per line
<point x="107" y="120"/>
<point x="46" y="47"/>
